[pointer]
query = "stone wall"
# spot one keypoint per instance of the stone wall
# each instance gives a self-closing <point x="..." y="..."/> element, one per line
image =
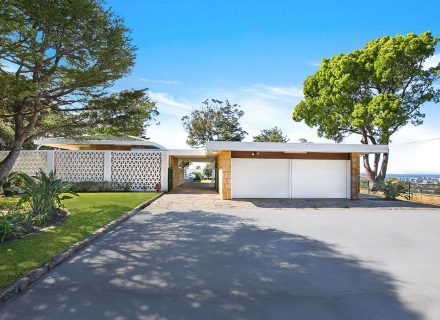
<point x="178" y="173"/>
<point x="224" y="167"/>
<point x="355" y="175"/>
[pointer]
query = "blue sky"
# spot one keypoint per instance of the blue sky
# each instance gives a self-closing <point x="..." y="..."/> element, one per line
<point x="258" y="53"/>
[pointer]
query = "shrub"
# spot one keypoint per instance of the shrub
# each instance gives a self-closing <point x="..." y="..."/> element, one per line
<point x="392" y="188"/>
<point x="197" y="176"/>
<point x="12" y="185"/>
<point x="8" y="227"/>
<point x="127" y="186"/>
<point x="44" y="193"/>
<point x="91" y="186"/>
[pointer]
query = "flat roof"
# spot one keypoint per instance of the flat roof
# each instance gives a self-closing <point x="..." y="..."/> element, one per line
<point x="294" y="147"/>
<point x="192" y="154"/>
<point x="58" y="142"/>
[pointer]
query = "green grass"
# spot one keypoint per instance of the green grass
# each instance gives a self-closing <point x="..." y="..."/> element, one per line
<point x="88" y="212"/>
<point x="7" y="203"/>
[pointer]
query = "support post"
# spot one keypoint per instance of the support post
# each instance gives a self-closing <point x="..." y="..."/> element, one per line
<point x="164" y="171"/>
<point x="224" y="167"/>
<point x="108" y="166"/>
<point x="355" y="175"/>
<point x="50" y="160"/>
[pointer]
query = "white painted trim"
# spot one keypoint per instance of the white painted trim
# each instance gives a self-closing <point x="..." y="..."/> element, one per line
<point x="348" y="177"/>
<point x="212" y="146"/>
<point x="60" y="141"/>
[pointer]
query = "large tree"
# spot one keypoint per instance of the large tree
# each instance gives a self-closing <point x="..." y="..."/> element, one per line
<point x="215" y="120"/>
<point x="274" y="134"/>
<point x="57" y="61"/>
<point x="372" y="92"/>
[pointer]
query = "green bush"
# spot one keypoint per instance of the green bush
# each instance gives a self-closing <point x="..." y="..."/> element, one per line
<point x="197" y="176"/>
<point x="127" y="186"/>
<point x="12" y="185"/>
<point x="91" y="186"/>
<point x="44" y="193"/>
<point x="392" y="188"/>
<point x="8" y="226"/>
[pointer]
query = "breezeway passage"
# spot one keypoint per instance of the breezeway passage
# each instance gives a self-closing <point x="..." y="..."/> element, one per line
<point x="253" y="261"/>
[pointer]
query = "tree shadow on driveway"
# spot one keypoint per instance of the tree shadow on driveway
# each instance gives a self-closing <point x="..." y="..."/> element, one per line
<point x="364" y="203"/>
<point x="200" y="265"/>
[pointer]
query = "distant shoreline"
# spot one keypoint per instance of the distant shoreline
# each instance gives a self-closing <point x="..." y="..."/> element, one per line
<point x="410" y="175"/>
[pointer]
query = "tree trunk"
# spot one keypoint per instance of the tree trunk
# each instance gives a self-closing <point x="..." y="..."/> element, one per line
<point x="7" y="164"/>
<point x="374" y="175"/>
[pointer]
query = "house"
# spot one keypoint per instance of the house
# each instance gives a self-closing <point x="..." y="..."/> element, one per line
<point x="243" y="169"/>
<point x="289" y="170"/>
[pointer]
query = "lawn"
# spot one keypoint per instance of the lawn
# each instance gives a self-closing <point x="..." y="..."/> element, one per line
<point x="88" y="212"/>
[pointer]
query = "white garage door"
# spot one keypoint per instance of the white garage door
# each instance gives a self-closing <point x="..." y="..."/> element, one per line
<point x="283" y="178"/>
<point x="320" y="179"/>
<point x="260" y="178"/>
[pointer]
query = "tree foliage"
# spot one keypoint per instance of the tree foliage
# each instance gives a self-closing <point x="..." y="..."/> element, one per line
<point x="207" y="170"/>
<point x="372" y="92"/>
<point x="215" y="120"/>
<point x="57" y="61"/>
<point x="274" y="134"/>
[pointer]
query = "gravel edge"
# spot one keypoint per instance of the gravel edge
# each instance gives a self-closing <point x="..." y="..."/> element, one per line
<point x="25" y="281"/>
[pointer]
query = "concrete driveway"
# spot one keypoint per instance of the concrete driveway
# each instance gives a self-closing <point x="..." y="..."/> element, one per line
<point x="249" y="263"/>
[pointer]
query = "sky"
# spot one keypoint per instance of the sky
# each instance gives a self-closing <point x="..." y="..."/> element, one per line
<point x="258" y="53"/>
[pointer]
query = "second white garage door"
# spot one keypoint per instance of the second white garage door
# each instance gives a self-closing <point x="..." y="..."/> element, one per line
<point x="284" y="178"/>
<point x="320" y="179"/>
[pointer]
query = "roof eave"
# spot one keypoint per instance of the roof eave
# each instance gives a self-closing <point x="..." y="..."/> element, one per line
<point x="295" y="147"/>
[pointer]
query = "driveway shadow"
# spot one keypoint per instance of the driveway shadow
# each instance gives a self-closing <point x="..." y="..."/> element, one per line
<point x="200" y="265"/>
<point x="370" y="202"/>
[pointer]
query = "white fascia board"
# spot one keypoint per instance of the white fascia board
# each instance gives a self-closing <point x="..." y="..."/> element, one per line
<point x="60" y="141"/>
<point x="187" y="152"/>
<point x="295" y="147"/>
<point x="201" y="153"/>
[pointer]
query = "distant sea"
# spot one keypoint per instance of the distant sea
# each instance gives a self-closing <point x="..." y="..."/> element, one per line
<point x="411" y="175"/>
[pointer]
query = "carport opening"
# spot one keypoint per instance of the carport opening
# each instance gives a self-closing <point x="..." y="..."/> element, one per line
<point x="192" y="176"/>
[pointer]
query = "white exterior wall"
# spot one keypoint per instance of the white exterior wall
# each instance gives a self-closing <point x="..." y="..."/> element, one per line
<point x="143" y="170"/>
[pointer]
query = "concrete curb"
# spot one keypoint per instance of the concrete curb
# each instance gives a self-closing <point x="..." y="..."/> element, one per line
<point x="24" y="282"/>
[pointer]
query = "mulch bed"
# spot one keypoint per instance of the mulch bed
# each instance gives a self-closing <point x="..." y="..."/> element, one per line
<point x="55" y="217"/>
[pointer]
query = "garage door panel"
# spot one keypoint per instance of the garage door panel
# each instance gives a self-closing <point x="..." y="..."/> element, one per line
<point x="319" y="178"/>
<point x="260" y="178"/>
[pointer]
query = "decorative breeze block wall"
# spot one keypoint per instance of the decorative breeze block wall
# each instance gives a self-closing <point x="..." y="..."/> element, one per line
<point x="29" y="161"/>
<point x="139" y="170"/>
<point x="134" y="170"/>
<point x="80" y="165"/>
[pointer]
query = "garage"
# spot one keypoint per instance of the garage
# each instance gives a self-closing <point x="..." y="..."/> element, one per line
<point x="290" y="178"/>
<point x="289" y="170"/>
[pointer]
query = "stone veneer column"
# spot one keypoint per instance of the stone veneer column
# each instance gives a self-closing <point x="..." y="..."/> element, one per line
<point x="178" y="173"/>
<point x="355" y="175"/>
<point x="224" y="167"/>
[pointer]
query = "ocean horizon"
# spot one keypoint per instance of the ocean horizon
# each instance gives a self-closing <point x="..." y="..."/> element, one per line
<point x="411" y="175"/>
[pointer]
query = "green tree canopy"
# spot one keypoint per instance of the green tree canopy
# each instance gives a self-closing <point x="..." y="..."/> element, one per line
<point x="215" y="120"/>
<point x="274" y="134"/>
<point x="207" y="170"/>
<point x="372" y="92"/>
<point x="57" y="61"/>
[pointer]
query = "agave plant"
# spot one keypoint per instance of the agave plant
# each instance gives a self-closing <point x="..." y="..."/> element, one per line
<point x="44" y="192"/>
